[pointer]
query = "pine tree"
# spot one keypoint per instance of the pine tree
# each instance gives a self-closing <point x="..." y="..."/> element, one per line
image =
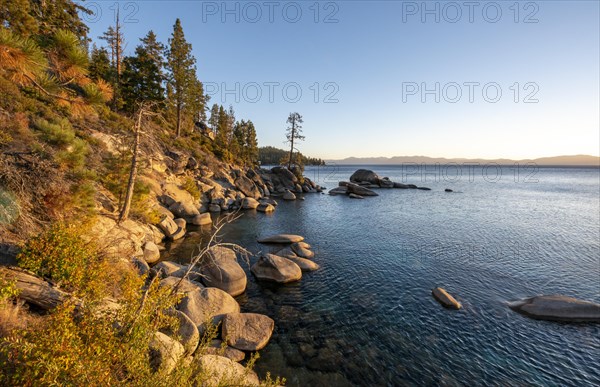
<point x="239" y="141"/>
<point x="54" y="15"/>
<point x="99" y="64"/>
<point x="293" y="133"/>
<point x="182" y="72"/>
<point x="143" y="74"/>
<point x="195" y="101"/>
<point x="251" y="145"/>
<point x="213" y="121"/>
<point x="224" y="135"/>
<point x="17" y="16"/>
<point x="115" y="39"/>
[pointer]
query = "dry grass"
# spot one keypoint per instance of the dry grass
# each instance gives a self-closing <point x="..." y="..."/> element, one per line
<point x="16" y="316"/>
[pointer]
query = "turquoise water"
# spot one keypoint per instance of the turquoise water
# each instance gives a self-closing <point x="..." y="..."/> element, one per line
<point x="367" y="316"/>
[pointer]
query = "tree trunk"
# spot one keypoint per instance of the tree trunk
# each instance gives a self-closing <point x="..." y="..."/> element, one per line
<point x="292" y="143"/>
<point x="118" y="49"/>
<point x="178" y="119"/>
<point x="133" y="171"/>
<point x="35" y="290"/>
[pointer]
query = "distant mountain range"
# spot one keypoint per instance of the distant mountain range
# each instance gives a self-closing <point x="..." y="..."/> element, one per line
<point x="574" y="160"/>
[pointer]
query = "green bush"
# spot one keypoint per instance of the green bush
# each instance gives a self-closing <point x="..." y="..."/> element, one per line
<point x="8" y="289"/>
<point x="61" y="256"/>
<point x="60" y="134"/>
<point x="75" y="155"/>
<point x="190" y="185"/>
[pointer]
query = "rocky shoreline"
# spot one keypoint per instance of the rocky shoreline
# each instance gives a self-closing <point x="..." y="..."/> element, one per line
<point x="208" y="286"/>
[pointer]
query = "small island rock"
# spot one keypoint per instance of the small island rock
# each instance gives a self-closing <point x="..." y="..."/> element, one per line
<point x="445" y="299"/>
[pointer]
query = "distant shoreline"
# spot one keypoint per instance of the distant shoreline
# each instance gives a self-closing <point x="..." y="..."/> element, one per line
<point x="555" y="161"/>
<point x="333" y="163"/>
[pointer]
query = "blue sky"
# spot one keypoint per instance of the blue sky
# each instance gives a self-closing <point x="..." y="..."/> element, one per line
<point x="370" y="71"/>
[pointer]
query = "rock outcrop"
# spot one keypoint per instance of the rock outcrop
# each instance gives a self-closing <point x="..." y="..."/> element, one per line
<point x="558" y="308"/>
<point x="363" y="180"/>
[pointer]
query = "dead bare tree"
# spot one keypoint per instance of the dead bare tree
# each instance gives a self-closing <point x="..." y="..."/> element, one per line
<point x="144" y="110"/>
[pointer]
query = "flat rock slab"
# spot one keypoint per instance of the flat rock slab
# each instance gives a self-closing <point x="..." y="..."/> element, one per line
<point x="558" y="308"/>
<point x="304" y="264"/>
<point x="282" y="238"/>
<point x="301" y="251"/>
<point x="247" y="331"/>
<point x="445" y="299"/>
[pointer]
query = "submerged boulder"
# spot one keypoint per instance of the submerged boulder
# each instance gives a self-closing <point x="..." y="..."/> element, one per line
<point x="277" y="269"/>
<point x="247" y="331"/>
<point x="341" y="190"/>
<point x="304" y="264"/>
<point x="442" y="296"/>
<point x="282" y="238"/>
<point x="301" y="250"/>
<point x="558" y="308"/>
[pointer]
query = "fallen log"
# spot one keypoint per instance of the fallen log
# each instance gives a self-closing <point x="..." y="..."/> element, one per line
<point x="33" y="289"/>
